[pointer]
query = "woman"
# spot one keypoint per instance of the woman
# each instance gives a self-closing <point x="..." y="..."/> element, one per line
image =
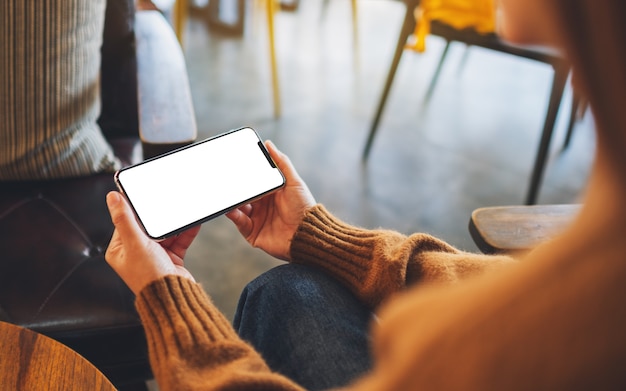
<point x="554" y="320"/>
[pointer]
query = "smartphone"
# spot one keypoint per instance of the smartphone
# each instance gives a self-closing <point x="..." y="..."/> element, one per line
<point x="175" y="191"/>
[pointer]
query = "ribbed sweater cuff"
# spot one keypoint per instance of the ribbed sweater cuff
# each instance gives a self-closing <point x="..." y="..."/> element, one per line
<point x="178" y="315"/>
<point x="347" y="253"/>
<point x="324" y="240"/>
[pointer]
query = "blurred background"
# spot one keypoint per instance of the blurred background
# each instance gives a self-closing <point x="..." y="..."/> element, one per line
<point x="472" y="144"/>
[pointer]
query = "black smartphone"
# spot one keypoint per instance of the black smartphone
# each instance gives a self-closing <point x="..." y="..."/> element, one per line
<point x="175" y="191"/>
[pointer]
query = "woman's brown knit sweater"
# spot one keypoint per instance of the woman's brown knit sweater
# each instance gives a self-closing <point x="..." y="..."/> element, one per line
<point x="193" y="346"/>
<point x="486" y="333"/>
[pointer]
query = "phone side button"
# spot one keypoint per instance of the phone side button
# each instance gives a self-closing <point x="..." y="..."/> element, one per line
<point x="267" y="155"/>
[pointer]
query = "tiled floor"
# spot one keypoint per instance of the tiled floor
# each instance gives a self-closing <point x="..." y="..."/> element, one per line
<point x="472" y="145"/>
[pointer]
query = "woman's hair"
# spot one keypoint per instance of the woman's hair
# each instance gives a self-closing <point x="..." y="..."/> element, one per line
<point x="594" y="36"/>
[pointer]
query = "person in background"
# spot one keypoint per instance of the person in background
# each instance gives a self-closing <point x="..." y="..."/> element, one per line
<point x="444" y="319"/>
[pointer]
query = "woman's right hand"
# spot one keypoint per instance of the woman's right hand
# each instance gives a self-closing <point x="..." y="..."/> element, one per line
<point x="271" y="222"/>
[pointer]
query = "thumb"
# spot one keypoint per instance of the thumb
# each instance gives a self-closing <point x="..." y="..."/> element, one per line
<point x="283" y="162"/>
<point x="123" y="217"/>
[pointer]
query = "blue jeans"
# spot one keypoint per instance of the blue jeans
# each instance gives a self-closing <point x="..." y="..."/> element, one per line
<point x="306" y="325"/>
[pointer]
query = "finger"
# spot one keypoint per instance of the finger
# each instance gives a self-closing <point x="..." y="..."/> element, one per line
<point x="237" y="217"/>
<point x="233" y="215"/>
<point x="245" y="209"/>
<point x="240" y="214"/>
<point x="242" y="222"/>
<point x="123" y="217"/>
<point x="182" y="242"/>
<point x="189" y="235"/>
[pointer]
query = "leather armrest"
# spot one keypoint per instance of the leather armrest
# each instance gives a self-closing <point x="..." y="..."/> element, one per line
<point x="166" y="116"/>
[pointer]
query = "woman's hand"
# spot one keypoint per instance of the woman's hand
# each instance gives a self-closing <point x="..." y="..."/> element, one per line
<point x="271" y="222"/>
<point x="135" y="257"/>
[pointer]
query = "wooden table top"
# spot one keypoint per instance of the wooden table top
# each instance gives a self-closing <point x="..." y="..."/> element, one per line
<point x="32" y="361"/>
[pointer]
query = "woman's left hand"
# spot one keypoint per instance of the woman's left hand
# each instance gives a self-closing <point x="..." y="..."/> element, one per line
<point x="138" y="259"/>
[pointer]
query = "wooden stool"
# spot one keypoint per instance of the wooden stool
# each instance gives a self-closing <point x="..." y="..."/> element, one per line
<point x="517" y="228"/>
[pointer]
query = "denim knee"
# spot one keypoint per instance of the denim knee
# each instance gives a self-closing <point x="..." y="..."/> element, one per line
<point x="290" y="282"/>
<point x="306" y="325"/>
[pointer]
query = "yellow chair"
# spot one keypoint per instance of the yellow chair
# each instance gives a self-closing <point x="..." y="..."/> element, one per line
<point x="181" y="12"/>
<point x="271" y="7"/>
<point x="481" y="37"/>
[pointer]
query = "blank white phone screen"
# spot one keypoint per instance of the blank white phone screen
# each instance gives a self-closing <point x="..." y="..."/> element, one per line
<point x="182" y="188"/>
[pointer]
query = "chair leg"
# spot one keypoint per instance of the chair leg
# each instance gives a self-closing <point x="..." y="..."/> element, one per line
<point x="578" y="109"/>
<point x="561" y="71"/>
<point x="324" y="10"/>
<point x="271" y="9"/>
<point x="181" y="9"/>
<point x="572" y="121"/>
<point x="355" y="26"/>
<point x="407" y="28"/>
<point x="433" y="81"/>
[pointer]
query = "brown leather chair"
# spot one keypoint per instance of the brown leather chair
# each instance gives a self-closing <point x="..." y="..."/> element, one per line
<point x="53" y="235"/>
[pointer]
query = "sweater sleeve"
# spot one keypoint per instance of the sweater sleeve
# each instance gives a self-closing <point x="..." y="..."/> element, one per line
<point x="193" y="346"/>
<point x="377" y="263"/>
